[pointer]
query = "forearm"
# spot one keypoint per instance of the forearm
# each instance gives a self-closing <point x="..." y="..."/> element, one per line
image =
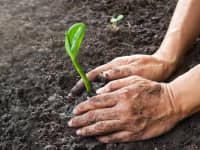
<point x="183" y="30"/>
<point x="186" y="92"/>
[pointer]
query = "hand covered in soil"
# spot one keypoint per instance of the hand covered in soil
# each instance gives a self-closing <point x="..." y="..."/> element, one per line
<point x="128" y="109"/>
<point x="153" y="67"/>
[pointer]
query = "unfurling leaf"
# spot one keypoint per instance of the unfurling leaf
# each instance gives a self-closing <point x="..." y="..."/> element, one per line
<point x="73" y="39"/>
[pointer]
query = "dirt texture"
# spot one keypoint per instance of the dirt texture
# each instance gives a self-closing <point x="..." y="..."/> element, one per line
<point x="36" y="74"/>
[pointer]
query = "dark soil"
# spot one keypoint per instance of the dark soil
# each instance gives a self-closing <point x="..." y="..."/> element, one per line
<point x="36" y="75"/>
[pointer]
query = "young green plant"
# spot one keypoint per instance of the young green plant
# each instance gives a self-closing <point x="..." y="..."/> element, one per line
<point x="115" y="21"/>
<point x="73" y="39"/>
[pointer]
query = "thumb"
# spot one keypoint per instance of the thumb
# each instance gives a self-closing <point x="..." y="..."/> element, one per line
<point x="118" y="84"/>
<point x="121" y="72"/>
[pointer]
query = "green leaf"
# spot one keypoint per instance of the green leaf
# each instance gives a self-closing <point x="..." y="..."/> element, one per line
<point x="68" y="45"/>
<point x="74" y="39"/>
<point x="120" y="17"/>
<point x="117" y="19"/>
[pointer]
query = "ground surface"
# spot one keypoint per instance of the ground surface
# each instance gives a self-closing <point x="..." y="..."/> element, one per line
<point x="36" y="75"/>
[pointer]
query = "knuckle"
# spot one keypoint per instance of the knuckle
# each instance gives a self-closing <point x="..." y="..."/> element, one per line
<point x="86" y="131"/>
<point x="110" y="85"/>
<point x="122" y="95"/>
<point x="111" y="72"/>
<point x="80" y="107"/>
<point x="128" y="71"/>
<point x="93" y="100"/>
<point x="117" y="59"/>
<point x="92" y="116"/>
<point x="115" y="70"/>
<point x="100" y="126"/>
<point x="100" y="100"/>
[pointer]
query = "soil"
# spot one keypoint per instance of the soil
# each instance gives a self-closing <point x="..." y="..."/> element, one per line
<point x="36" y="75"/>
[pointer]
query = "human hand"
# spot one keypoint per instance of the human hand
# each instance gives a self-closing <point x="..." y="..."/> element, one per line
<point x="138" y="109"/>
<point x="153" y="67"/>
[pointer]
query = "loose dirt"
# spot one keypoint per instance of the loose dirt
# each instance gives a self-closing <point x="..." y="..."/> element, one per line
<point x="36" y="75"/>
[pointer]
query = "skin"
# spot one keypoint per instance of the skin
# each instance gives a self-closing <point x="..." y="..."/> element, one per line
<point x="132" y="108"/>
<point x="153" y="67"/>
<point x="125" y="114"/>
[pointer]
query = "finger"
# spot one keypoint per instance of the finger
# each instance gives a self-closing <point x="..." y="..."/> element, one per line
<point x="158" y="128"/>
<point x="92" y="117"/>
<point x="122" y="71"/>
<point x="96" y="102"/>
<point x="117" y="84"/>
<point x="91" y="76"/>
<point x="100" y="128"/>
<point x="122" y="136"/>
<point x="94" y="73"/>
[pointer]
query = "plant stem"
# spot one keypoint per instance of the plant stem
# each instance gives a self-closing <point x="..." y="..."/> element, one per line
<point x="83" y="76"/>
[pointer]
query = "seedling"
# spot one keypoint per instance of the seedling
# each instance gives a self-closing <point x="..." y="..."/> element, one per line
<point x="115" y="21"/>
<point x="73" y="39"/>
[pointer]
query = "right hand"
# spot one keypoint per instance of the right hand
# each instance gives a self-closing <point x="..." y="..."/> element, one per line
<point x="132" y="109"/>
<point x="153" y="67"/>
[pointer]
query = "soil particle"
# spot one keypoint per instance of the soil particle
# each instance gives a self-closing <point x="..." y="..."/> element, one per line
<point x="36" y="75"/>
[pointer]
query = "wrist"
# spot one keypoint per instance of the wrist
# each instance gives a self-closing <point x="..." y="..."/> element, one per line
<point x="169" y="64"/>
<point x="172" y="47"/>
<point x="186" y="93"/>
<point x="166" y="56"/>
<point x="172" y="100"/>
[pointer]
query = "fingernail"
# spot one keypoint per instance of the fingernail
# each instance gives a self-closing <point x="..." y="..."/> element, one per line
<point x="78" y="132"/>
<point x="99" y="91"/>
<point x="75" y="111"/>
<point x="70" y="123"/>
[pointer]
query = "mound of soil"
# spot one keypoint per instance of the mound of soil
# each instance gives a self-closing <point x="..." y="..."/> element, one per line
<point x="36" y="75"/>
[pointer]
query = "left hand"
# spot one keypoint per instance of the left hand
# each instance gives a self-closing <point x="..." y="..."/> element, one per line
<point x="128" y="109"/>
<point x="154" y="67"/>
